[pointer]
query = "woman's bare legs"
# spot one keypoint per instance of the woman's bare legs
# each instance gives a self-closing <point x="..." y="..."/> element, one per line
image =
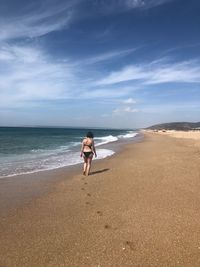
<point x="84" y="166"/>
<point x="88" y="166"/>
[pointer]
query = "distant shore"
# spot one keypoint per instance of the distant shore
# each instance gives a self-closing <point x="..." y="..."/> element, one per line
<point x="192" y="134"/>
<point x="139" y="207"/>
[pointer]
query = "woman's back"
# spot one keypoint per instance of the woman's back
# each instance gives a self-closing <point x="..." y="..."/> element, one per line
<point x="87" y="143"/>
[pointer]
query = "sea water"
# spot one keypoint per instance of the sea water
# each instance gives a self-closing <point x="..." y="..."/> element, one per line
<point x="26" y="149"/>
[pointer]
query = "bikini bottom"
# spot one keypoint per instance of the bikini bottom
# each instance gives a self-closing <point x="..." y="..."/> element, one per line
<point x="88" y="154"/>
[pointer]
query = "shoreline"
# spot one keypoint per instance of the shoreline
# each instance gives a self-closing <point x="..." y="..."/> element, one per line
<point x="139" y="207"/>
<point x="19" y="190"/>
<point x="112" y="146"/>
<point x="53" y="150"/>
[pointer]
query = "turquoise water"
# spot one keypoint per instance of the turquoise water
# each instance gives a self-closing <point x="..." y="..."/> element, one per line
<point x="26" y="150"/>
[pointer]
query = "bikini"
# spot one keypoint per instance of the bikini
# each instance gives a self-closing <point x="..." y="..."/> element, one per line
<point x="88" y="153"/>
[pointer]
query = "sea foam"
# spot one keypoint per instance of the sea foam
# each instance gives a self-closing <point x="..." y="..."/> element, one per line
<point x="129" y="135"/>
<point x="39" y="149"/>
<point x="105" y="140"/>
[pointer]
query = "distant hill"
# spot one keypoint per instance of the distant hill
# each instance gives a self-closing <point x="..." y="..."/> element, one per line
<point x="184" y="126"/>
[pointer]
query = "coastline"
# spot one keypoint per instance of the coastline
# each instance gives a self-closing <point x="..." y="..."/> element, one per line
<point x="139" y="207"/>
<point x="32" y="150"/>
<point x="18" y="190"/>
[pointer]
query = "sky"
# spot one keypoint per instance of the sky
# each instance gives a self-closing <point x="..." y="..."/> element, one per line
<point x="99" y="63"/>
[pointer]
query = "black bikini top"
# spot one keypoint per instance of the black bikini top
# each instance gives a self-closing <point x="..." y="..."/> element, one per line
<point x="90" y="146"/>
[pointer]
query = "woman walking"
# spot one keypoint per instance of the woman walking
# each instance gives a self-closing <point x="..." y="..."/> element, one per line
<point x="87" y="152"/>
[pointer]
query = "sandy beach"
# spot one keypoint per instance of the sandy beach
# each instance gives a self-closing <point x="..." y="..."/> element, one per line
<point x="181" y="134"/>
<point x="140" y="207"/>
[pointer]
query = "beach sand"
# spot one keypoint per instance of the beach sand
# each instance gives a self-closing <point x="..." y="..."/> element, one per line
<point x="140" y="207"/>
<point x="182" y="134"/>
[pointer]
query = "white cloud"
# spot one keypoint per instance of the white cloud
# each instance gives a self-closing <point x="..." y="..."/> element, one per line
<point x="129" y="101"/>
<point x="103" y="93"/>
<point x="109" y="56"/>
<point x="183" y="72"/>
<point x="36" y="20"/>
<point x="125" y="110"/>
<point x="43" y="17"/>
<point x="144" y="3"/>
<point x="126" y="74"/>
<point x="118" y="6"/>
<point x="27" y="74"/>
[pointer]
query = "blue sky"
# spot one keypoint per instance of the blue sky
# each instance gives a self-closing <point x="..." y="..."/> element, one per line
<point x="99" y="63"/>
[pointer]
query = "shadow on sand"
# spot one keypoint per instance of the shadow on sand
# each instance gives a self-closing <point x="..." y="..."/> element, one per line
<point x="100" y="171"/>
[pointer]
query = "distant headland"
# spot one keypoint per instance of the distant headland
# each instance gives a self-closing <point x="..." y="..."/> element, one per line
<point x="178" y="126"/>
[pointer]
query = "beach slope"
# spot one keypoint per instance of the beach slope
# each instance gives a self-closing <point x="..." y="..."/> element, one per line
<point x="140" y="207"/>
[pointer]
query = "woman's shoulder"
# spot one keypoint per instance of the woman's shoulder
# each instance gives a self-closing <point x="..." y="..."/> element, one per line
<point x="88" y="141"/>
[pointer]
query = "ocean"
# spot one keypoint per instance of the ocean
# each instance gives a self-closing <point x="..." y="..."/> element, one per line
<point x="26" y="150"/>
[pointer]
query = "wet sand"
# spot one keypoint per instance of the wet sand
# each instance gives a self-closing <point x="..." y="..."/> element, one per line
<point x="140" y="207"/>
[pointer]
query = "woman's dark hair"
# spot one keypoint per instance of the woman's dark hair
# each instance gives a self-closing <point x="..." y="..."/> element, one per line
<point x="90" y="135"/>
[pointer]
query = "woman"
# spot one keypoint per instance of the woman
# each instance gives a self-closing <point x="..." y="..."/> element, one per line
<point x="87" y="152"/>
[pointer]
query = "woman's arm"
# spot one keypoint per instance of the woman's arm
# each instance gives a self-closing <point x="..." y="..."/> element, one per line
<point x="82" y="146"/>
<point x="94" y="149"/>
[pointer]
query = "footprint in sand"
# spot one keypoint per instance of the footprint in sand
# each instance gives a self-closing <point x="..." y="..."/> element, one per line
<point x="82" y="188"/>
<point x="100" y="213"/>
<point x="130" y="244"/>
<point x="87" y="203"/>
<point x="88" y="194"/>
<point x="107" y="226"/>
<point x="85" y="183"/>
